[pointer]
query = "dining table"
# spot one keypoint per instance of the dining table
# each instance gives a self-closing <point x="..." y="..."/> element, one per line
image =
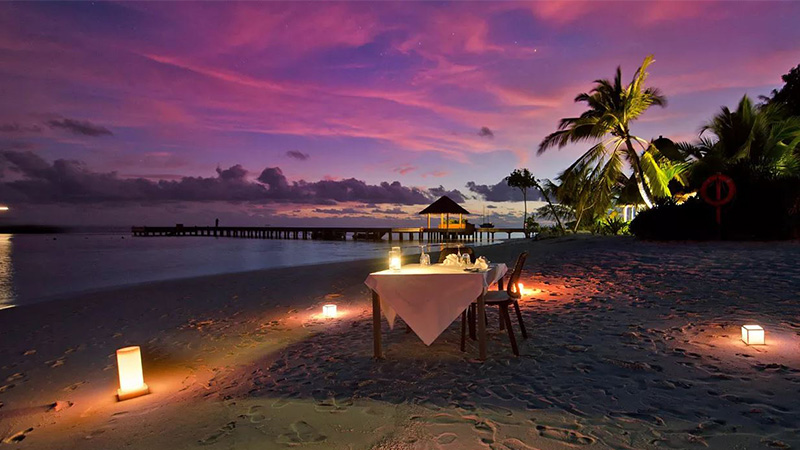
<point x="429" y="298"/>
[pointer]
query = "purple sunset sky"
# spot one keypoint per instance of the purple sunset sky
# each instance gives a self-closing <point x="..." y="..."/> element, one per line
<point x="287" y="113"/>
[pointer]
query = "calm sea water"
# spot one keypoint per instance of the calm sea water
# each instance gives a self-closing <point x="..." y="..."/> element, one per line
<point x="36" y="268"/>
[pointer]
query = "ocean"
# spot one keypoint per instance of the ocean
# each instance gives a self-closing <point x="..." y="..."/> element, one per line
<point x="41" y="267"/>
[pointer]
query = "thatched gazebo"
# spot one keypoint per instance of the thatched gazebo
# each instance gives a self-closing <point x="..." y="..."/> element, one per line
<point x="444" y="207"/>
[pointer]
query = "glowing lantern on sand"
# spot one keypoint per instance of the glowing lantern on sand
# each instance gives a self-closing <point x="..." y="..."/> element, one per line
<point x="131" y="379"/>
<point x="753" y="334"/>
<point x="394" y="258"/>
<point x="329" y="310"/>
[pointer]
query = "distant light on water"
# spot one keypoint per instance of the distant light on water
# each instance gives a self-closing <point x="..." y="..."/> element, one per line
<point x="3" y="208"/>
<point x="6" y="273"/>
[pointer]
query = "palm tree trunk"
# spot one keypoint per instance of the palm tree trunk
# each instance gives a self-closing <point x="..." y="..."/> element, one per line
<point x="552" y="208"/>
<point x="525" y="214"/>
<point x="638" y="173"/>
<point x="578" y="221"/>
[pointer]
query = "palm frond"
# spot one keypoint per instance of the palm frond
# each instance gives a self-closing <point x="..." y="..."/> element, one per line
<point x="655" y="177"/>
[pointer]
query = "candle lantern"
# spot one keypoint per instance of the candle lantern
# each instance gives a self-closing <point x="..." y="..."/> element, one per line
<point x="753" y="335"/>
<point x="329" y="310"/>
<point x="395" y="256"/>
<point x="131" y="379"/>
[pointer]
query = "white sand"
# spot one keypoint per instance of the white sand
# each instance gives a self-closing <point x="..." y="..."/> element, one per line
<point x="633" y="346"/>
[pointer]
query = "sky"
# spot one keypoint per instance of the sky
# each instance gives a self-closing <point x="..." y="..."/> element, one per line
<point x="339" y="113"/>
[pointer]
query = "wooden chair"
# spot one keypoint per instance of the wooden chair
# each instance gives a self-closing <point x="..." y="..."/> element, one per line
<point x="453" y="250"/>
<point x="503" y="299"/>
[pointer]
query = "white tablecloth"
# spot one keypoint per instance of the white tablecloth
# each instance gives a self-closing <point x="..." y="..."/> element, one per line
<point x="430" y="298"/>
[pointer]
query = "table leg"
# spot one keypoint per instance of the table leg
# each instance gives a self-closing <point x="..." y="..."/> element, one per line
<point x="376" y="326"/>
<point x="482" y="326"/>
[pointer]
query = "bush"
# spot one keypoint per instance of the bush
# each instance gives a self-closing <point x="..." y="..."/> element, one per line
<point x="693" y="220"/>
<point x="613" y="226"/>
<point x="549" y="232"/>
<point x="763" y="209"/>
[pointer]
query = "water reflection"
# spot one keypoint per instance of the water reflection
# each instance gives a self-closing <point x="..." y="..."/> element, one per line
<point x="6" y="272"/>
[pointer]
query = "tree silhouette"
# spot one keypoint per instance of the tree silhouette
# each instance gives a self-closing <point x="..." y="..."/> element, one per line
<point x="523" y="180"/>
<point x="612" y="108"/>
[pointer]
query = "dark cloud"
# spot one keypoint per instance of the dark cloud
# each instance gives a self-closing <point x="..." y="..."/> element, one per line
<point x="26" y="177"/>
<point x="298" y="155"/>
<point x="17" y="145"/>
<point x="501" y="192"/>
<point x="454" y="195"/>
<point x="337" y="211"/>
<point x="486" y="132"/>
<point x="491" y="207"/>
<point x="17" y="128"/>
<point x="82" y="127"/>
<point x="347" y="190"/>
<point x="391" y="212"/>
<point x="404" y="169"/>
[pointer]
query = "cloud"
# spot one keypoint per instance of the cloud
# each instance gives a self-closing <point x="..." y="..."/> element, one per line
<point x="337" y="211"/>
<point x="391" y="212"/>
<point x="16" y="128"/>
<point x="26" y="177"/>
<point x="298" y="155"/>
<point x="486" y="132"/>
<point x="82" y="127"/>
<point x="404" y="169"/>
<point x="454" y="195"/>
<point x="501" y="192"/>
<point x="346" y="190"/>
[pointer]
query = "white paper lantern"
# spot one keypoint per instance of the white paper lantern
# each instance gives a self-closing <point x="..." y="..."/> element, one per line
<point x="753" y="335"/>
<point x="131" y="378"/>
<point x="329" y="310"/>
<point x="395" y="256"/>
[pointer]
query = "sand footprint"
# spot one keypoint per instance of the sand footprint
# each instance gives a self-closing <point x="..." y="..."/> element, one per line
<point x="446" y="438"/>
<point x="560" y="434"/>
<point x="280" y="403"/>
<point x="516" y="444"/>
<point x="17" y="437"/>
<point x="256" y="414"/>
<point x="302" y="433"/>
<point x="220" y="433"/>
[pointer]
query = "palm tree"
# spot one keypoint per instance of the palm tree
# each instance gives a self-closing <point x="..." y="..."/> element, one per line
<point x="581" y="190"/>
<point x="523" y="180"/>
<point x="612" y="108"/>
<point x="763" y="139"/>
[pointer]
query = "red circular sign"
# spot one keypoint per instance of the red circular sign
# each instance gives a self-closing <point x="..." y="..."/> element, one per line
<point x="712" y="190"/>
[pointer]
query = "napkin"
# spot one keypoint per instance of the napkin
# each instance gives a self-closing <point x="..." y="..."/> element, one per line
<point x="481" y="264"/>
<point x="451" y="260"/>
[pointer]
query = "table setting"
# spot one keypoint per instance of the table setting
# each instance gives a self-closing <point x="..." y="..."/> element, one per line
<point x="429" y="297"/>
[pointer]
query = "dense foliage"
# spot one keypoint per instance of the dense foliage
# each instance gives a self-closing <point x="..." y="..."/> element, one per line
<point x="788" y="97"/>
<point x="758" y="146"/>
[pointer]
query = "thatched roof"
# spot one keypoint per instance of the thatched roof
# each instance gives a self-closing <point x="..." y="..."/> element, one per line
<point x="445" y="205"/>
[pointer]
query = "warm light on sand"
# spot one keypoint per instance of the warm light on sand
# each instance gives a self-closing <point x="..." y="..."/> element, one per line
<point x="753" y="335"/>
<point x="131" y="378"/>
<point x="521" y="289"/>
<point x="329" y="310"/>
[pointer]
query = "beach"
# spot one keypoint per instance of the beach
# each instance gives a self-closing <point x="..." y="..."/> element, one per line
<point x="633" y="345"/>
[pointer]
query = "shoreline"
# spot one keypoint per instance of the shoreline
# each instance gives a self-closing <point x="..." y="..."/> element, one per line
<point x="245" y="361"/>
<point x="412" y="249"/>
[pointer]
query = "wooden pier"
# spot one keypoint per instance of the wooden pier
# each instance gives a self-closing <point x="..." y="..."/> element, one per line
<point x="332" y="233"/>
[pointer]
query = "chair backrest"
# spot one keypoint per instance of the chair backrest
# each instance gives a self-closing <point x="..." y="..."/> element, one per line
<point x="511" y="289"/>
<point x="453" y="250"/>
